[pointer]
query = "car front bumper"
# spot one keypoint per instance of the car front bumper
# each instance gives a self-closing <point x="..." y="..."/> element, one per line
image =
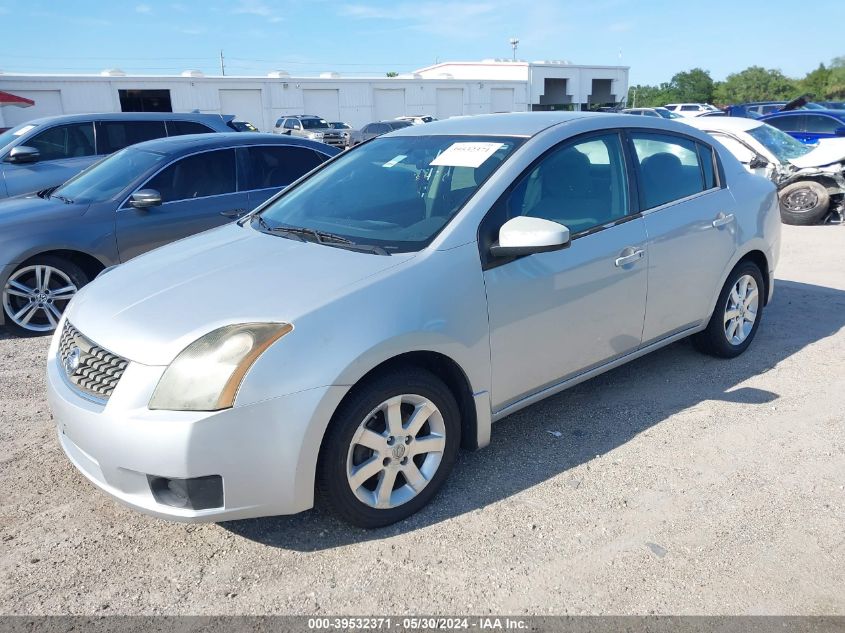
<point x="265" y="452"/>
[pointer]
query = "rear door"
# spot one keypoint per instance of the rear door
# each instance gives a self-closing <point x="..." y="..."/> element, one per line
<point x="64" y="150"/>
<point x="270" y="168"/>
<point x="691" y="226"/>
<point x="198" y="192"/>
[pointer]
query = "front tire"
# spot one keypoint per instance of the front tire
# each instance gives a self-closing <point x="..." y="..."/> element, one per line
<point x="389" y="448"/>
<point x="737" y="315"/>
<point x="37" y="293"/>
<point x="804" y="203"/>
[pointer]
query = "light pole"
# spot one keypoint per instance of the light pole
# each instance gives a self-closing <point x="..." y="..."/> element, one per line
<point x="514" y="43"/>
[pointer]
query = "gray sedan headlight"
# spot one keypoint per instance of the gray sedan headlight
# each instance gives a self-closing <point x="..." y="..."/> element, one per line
<point x="205" y="376"/>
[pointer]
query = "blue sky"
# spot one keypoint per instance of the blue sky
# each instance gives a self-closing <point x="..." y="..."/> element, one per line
<point x="655" y="38"/>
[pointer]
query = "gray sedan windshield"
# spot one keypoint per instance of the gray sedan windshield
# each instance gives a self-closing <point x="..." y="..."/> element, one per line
<point x="110" y="176"/>
<point x="396" y="192"/>
<point x="779" y="143"/>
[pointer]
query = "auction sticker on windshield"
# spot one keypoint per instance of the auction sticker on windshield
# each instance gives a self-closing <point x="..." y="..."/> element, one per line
<point x="466" y="154"/>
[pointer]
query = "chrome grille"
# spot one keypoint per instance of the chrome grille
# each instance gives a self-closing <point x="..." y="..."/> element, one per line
<point x="93" y="370"/>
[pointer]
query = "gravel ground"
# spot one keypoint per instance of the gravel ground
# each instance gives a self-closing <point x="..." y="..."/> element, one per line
<point x="679" y="484"/>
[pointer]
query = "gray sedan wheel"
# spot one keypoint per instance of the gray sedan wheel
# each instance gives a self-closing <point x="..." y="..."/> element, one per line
<point x="36" y="294"/>
<point x="390" y="446"/>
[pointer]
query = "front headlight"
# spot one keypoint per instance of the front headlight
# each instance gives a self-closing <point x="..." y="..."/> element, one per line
<point x="205" y="376"/>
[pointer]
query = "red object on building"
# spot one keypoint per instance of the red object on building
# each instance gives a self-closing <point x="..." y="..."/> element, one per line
<point x="7" y="98"/>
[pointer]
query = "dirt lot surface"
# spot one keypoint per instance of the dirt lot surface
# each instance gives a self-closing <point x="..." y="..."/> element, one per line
<point x="678" y="484"/>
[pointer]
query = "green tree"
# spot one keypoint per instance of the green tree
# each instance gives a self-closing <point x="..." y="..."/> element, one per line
<point x="756" y="84"/>
<point x="641" y="96"/>
<point x="693" y="86"/>
<point x="392" y="73"/>
<point x="836" y="79"/>
<point x="816" y="82"/>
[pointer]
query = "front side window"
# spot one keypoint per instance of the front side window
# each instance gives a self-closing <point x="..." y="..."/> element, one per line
<point x="581" y="185"/>
<point x="280" y="165"/>
<point x="395" y="193"/>
<point x="821" y="124"/>
<point x="115" y="135"/>
<point x="290" y="124"/>
<point x="109" y="177"/>
<point x="197" y="176"/>
<point x="669" y="167"/>
<point x="65" y="141"/>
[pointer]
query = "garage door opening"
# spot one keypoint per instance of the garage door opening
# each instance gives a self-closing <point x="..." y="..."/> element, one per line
<point x="450" y="102"/>
<point x="145" y="101"/>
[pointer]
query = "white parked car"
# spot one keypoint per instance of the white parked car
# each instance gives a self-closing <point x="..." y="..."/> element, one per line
<point x="417" y="119"/>
<point x="810" y="178"/>
<point x="690" y="109"/>
<point x="342" y="341"/>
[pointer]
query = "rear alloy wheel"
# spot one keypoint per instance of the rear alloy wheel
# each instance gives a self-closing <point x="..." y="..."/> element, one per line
<point x="389" y="448"/>
<point x="804" y="203"/>
<point x="737" y="315"/>
<point x="36" y="295"/>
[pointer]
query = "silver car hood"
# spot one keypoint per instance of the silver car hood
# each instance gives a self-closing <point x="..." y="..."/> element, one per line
<point x="152" y="307"/>
<point x="826" y="152"/>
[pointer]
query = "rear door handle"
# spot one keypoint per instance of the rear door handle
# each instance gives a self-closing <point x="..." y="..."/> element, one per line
<point x="233" y="213"/>
<point x="722" y="220"/>
<point x="624" y="260"/>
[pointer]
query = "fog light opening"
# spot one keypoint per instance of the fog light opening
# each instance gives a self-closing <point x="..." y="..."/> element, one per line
<point x="195" y="493"/>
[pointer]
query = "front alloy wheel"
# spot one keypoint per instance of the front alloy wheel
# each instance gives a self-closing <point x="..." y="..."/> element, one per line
<point x="36" y="295"/>
<point x="389" y="447"/>
<point x="741" y="309"/>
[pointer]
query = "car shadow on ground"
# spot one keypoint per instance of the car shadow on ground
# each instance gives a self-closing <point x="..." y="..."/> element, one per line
<point x="591" y="419"/>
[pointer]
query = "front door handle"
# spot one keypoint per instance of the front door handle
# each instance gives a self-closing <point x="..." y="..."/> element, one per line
<point x="233" y="213"/>
<point x="624" y="260"/>
<point x="722" y="220"/>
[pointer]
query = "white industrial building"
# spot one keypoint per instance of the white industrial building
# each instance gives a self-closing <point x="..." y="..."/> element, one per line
<point x="443" y="90"/>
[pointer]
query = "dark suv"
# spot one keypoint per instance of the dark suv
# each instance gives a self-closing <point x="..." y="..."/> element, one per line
<point x="46" y="152"/>
<point x="311" y="127"/>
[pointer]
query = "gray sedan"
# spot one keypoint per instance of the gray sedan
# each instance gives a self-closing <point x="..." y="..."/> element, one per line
<point x="53" y="243"/>
<point x="343" y="341"/>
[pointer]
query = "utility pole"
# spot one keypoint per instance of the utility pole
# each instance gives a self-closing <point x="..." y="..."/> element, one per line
<point x="222" y="66"/>
<point x="514" y="43"/>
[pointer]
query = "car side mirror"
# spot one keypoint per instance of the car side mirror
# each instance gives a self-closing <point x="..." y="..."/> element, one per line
<point x="757" y="162"/>
<point x="525" y="235"/>
<point x="145" y="198"/>
<point x="24" y="154"/>
<point x="840" y="131"/>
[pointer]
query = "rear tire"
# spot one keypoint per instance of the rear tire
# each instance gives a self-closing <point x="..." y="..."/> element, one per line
<point x="804" y="203"/>
<point x="388" y="449"/>
<point x="737" y="314"/>
<point x="35" y="295"/>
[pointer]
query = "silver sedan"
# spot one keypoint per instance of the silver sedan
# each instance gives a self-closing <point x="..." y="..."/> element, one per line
<point x="342" y="342"/>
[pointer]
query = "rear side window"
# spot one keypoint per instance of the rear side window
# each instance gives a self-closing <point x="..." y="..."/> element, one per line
<point x="707" y="158"/>
<point x="197" y="176"/>
<point x="65" y="141"/>
<point x="178" y="128"/>
<point x="115" y="135"/>
<point x="689" y="108"/>
<point x="280" y="165"/>
<point x="669" y="168"/>
<point x="790" y="123"/>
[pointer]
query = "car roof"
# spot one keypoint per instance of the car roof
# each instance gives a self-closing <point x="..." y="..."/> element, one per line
<point x="511" y="124"/>
<point x="132" y="116"/>
<point x="188" y="143"/>
<point x="724" y="123"/>
<point x="837" y="114"/>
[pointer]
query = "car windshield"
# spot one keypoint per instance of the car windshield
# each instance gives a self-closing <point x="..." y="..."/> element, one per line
<point x="337" y="125"/>
<point x="108" y="177"/>
<point x="779" y="143"/>
<point x="314" y="124"/>
<point x="12" y="134"/>
<point x="394" y="193"/>
<point x="667" y="114"/>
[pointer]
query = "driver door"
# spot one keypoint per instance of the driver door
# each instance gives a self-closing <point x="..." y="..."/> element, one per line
<point x="556" y="314"/>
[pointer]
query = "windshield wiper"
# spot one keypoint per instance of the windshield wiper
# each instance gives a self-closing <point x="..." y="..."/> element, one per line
<point x="64" y="199"/>
<point x="326" y="239"/>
